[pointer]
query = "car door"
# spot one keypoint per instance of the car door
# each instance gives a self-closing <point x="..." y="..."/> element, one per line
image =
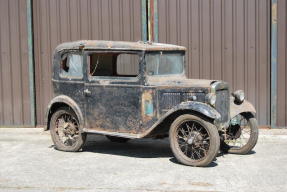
<point x="70" y="80"/>
<point x="113" y="91"/>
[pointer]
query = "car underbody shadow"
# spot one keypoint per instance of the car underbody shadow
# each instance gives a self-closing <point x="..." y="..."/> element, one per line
<point x="139" y="148"/>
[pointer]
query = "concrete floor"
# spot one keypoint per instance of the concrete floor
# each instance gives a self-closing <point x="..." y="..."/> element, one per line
<point x="28" y="162"/>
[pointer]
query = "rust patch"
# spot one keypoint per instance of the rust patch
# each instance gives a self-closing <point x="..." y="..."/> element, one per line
<point x="147" y="106"/>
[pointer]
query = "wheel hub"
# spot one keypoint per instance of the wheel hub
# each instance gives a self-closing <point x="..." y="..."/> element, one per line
<point x="193" y="140"/>
<point x="67" y="131"/>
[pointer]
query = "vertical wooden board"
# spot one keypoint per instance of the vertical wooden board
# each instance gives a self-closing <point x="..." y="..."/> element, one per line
<point x="74" y="19"/>
<point x="162" y="28"/>
<point x="206" y="41"/>
<point x="263" y="62"/>
<point x="217" y="39"/>
<point x="126" y="21"/>
<point x="183" y="21"/>
<point x="173" y="21"/>
<point x="37" y="59"/>
<point x="45" y="56"/>
<point x="84" y="19"/>
<point x="1" y="70"/>
<point x="239" y="45"/>
<point x="6" y="64"/>
<point x="251" y="55"/>
<point x="116" y="12"/>
<point x="137" y="23"/>
<point x="15" y="62"/>
<point x="228" y="42"/>
<point x="24" y="63"/>
<point x="281" y="70"/>
<point x="55" y="31"/>
<point x="195" y="39"/>
<point x="105" y="20"/>
<point x="64" y="19"/>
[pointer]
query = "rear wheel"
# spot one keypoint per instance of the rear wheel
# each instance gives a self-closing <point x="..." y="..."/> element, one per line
<point x="65" y="133"/>
<point x="193" y="140"/>
<point x="241" y="136"/>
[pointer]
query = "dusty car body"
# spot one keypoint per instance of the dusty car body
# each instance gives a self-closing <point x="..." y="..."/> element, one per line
<point x="143" y="103"/>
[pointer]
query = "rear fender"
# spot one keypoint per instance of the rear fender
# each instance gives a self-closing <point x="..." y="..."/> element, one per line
<point x="63" y="99"/>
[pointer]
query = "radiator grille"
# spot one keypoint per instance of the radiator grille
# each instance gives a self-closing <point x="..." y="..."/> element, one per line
<point x="222" y="104"/>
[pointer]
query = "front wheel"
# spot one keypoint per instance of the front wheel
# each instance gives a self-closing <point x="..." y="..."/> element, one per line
<point x="241" y="135"/>
<point x="194" y="141"/>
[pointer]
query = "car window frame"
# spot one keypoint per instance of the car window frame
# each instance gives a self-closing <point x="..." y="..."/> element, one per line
<point x="165" y="75"/>
<point x="113" y="78"/>
<point x="73" y="52"/>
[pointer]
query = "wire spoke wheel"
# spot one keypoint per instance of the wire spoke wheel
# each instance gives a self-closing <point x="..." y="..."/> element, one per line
<point x="65" y="130"/>
<point x="193" y="140"/>
<point x="241" y="137"/>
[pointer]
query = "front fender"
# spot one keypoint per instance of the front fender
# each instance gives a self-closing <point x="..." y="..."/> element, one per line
<point x="63" y="99"/>
<point x="241" y="108"/>
<point x="199" y="107"/>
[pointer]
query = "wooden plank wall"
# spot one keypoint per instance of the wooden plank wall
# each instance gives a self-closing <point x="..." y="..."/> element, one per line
<point x="57" y="21"/>
<point x="14" y="68"/>
<point x="226" y="39"/>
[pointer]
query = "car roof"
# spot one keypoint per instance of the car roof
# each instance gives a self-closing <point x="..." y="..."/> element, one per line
<point x="119" y="45"/>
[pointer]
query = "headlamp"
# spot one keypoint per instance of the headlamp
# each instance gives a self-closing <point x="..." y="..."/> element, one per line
<point x="239" y="96"/>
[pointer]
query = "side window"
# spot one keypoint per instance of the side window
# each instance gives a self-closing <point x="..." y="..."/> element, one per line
<point x="128" y="65"/>
<point x="71" y="66"/>
<point x="113" y="64"/>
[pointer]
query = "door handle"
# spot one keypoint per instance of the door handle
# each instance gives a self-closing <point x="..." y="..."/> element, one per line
<point x="87" y="92"/>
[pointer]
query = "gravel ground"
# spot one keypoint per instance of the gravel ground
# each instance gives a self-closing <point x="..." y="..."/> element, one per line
<point x="28" y="162"/>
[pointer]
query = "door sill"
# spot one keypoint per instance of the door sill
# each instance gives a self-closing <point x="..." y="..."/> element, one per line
<point x="116" y="134"/>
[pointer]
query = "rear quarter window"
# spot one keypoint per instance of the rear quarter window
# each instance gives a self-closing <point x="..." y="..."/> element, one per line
<point x="71" y="66"/>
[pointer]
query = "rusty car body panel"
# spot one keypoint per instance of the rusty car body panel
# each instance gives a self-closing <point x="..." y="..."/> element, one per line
<point x="141" y="106"/>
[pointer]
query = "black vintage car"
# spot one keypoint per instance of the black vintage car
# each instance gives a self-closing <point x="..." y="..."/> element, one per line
<point x="132" y="90"/>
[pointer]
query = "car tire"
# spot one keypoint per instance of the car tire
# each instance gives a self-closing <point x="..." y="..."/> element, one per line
<point x="250" y="144"/>
<point x="71" y="123"/>
<point x="203" y="133"/>
<point x="117" y="139"/>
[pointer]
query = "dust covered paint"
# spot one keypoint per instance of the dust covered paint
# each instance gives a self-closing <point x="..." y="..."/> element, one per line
<point x="137" y="106"/>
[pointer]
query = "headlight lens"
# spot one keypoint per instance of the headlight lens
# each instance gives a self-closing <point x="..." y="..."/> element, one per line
<point x="211" y="99"/>
<point x="239" y="96"/>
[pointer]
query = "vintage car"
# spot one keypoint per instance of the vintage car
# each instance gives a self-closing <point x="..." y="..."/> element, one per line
<point x="132" y="90"/>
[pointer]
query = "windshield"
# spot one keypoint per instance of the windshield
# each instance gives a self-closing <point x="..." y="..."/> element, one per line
<point x="164" y="63"/>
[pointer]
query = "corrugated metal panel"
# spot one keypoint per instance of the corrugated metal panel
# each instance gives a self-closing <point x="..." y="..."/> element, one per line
<point x="226" y="40"/>
<point x="57" y="21"/>
<point x="14" y="69"/>
<point x="282" y="68"/>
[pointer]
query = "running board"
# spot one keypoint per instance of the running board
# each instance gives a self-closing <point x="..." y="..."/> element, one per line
<point x="116" y="134"/>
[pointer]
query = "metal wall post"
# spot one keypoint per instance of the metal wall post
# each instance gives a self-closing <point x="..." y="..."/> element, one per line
<point x="152" y="20"/>
<point x="31" y="62"/>
<point x="144" y="20"/>
<point x="274" y="64"/>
